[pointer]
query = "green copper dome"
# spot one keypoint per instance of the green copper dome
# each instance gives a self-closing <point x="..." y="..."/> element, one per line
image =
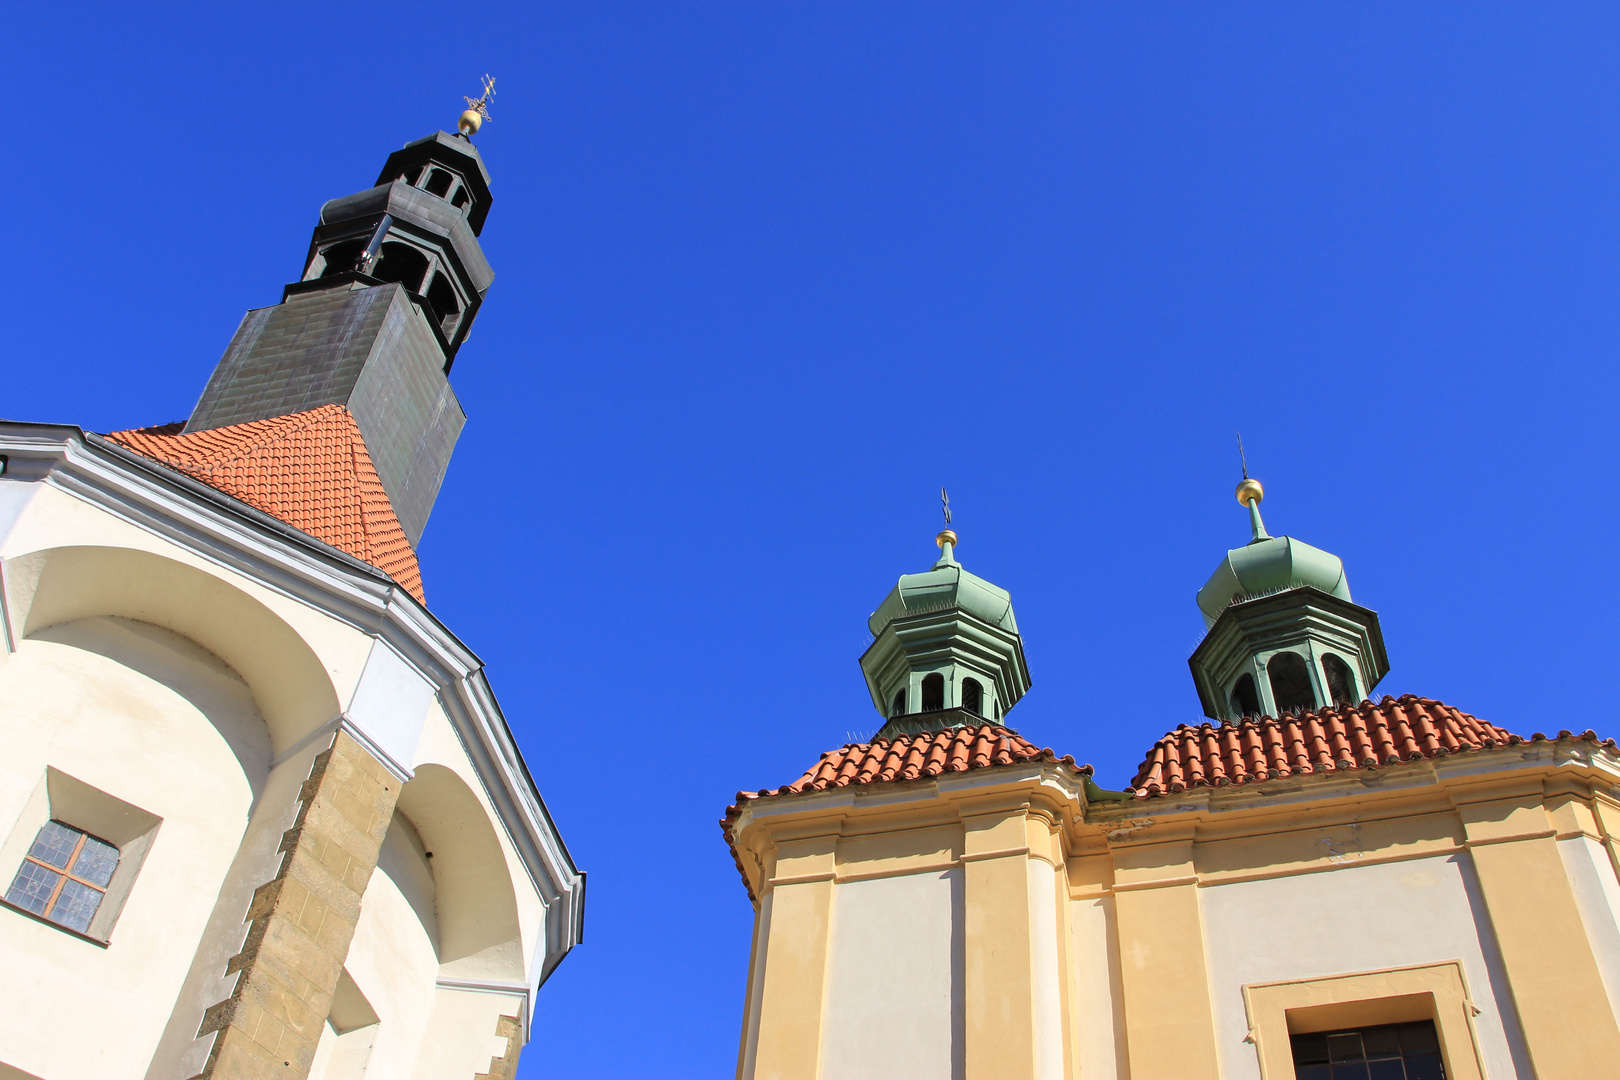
<point x="945" y="585"/>
<point x="1268" y="564"/>
<point x="945" y="650"/>
<point x="1284" y="634"/>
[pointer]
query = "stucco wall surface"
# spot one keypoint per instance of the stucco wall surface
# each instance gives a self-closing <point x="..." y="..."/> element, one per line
<point x="894" y="986"/>
<point x="1597" y="894"/>
<point x="1353" y="919"/>
<point x="89" y="698"/>
<point x="1096" y="1000"/>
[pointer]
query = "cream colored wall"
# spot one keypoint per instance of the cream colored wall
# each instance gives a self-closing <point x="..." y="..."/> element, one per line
<point x="90" y="698"/>
<point x="1353" y="919"/>
<point x="1597" y="895"/>
<point x="894" y="981"/>
<point x="460" y="1039"/>
<point x="56" y="519"/>
<point x="440" y="745"/>
<point x="1098" y="1005"/>
<point x="392" y="959"/>
<point x="1045" y="947"/>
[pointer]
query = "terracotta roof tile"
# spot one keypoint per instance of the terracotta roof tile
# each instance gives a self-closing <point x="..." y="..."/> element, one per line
<point x="906" y="757"/>
<point x="1361" y="736"/>
<point x="310" y="469"/>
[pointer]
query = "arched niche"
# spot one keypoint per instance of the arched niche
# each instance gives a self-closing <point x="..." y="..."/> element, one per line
<point x="476" y="907"/>
<point x="61" y="585"/>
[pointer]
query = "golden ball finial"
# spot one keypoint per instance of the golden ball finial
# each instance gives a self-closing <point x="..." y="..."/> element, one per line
<point x="470" y="122"/>
<point x="946" y="536"/>
<point x="1250" y="492"/>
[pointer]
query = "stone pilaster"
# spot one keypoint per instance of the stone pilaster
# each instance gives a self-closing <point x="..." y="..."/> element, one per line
<point x="505" y="1066"/>
<point x="301" y="921"/>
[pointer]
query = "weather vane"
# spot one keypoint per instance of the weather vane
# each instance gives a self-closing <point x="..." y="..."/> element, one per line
<point x="1241" y="459"/>
<point x="477" y="109"/>
<point x="945" y="504"/>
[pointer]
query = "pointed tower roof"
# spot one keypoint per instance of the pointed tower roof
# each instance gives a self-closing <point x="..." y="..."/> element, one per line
<point x="310" y="469"/>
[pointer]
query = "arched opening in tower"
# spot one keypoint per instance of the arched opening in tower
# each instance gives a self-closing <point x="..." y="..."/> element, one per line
<point x="1341" y="682"/>
<point x="933" y="692"/>
<point x="1290" y="682"/>
<point x="973" y="696"/>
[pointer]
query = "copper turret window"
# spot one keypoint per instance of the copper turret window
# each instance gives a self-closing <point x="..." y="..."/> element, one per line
<point x="1341" y="682"/>
<point x="1290" y="682"/>
<point x="933" y="692"/>
<point x="973" y="696"/>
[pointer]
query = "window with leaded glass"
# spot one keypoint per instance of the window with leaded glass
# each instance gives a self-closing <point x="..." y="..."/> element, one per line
<point x="64" y="876"/>
<point x="1388" y="1052"/>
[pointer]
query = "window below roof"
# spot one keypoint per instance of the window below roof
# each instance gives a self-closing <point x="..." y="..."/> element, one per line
<point x="1387" y="1052"/>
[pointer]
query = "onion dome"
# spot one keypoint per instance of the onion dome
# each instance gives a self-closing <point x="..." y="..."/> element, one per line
<point x="946" y="652"/>
<point x="1268" y="564"/>
<point x="1283" y="633"/>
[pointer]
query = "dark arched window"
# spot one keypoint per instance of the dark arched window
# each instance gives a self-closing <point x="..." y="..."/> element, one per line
<point x="899" y="703"/>
<point x="404" y="264"/>
<point x="1341" y="682"/>
<point x="439" y="182"/>
<point x="973" y="696"/>
<point x="933" y="692"/>
<point x="443" y="299"/>
<point x="1290" y="682"/>
<point x="341" y="257"/>
<point x="1245" y="699"/>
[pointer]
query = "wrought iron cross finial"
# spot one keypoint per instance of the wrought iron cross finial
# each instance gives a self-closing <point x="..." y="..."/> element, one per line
<point x="480" y="105"/>
<point x="945" y="504"/>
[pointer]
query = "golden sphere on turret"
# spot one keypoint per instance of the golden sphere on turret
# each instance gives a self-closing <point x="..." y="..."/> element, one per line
<point x="470" y="122"/>
<point x="1250" y="492"/>
<point x="946" y="536"/>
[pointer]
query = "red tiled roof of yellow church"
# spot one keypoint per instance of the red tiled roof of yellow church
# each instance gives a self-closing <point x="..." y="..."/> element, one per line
<point x="1368" y="735"/>
<point x="905" y="757"/>
<point x="309" y="469"/>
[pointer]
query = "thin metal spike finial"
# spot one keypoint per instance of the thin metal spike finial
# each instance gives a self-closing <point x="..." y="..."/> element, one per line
<point x="945" y="504"/>
<point x="1244" y="461"/>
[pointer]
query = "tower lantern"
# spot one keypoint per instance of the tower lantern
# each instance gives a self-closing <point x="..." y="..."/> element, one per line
<point x="1283" y="633"/>
<point x="946" y="653"/>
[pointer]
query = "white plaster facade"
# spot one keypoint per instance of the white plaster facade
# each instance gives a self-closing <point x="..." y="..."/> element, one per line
<point x="173" y="661"/>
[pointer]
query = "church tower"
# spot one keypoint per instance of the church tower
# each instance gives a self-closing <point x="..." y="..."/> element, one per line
<point x="1283" y="633"/>
<point x="391" y="284"/>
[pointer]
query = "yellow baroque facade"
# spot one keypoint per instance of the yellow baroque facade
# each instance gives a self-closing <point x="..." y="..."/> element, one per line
<point x="1348" y="885"/>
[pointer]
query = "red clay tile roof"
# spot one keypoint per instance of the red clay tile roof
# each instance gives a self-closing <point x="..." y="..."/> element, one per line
<point x="309" y="469"/>
<point x="906" y="757"/>
<point x="1361" y="736"/>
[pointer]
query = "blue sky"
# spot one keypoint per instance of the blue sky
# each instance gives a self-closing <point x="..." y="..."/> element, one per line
<point x="768" y="275"/>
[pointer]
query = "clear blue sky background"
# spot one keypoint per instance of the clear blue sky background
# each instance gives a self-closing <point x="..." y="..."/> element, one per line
<point x="769" y="275"/>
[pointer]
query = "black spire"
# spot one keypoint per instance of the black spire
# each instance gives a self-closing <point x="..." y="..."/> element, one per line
<point x="392" y="282"/>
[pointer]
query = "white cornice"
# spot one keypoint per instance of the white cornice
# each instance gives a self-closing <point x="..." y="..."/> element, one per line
<point x="229" y="533"/>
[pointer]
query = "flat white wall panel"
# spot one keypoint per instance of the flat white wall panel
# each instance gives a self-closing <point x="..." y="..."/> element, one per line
<point x="1043" y="926"/>
<point x="894" y="983"/>
<point x="1597" y="895"/>
<point x="1356" y="918"/>
<point x="1098" y="1000"/>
